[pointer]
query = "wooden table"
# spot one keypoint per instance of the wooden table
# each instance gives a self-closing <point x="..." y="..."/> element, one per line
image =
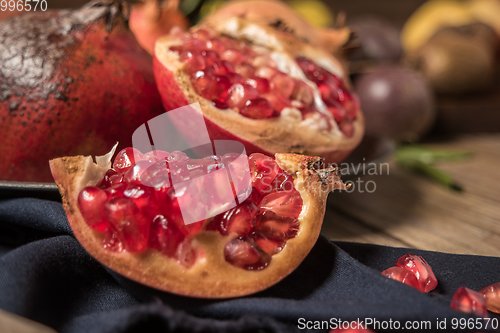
<point x="408" y="210"/>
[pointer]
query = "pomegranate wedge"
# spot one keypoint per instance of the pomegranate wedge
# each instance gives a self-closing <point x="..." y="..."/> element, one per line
<point x="177" y="223"/>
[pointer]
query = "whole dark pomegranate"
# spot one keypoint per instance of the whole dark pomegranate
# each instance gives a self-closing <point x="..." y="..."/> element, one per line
<point x="397" y="102"/>
<point x="72" y="82"/>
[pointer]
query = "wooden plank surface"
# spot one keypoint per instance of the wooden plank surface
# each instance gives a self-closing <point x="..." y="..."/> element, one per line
<point x="408" y="210"/>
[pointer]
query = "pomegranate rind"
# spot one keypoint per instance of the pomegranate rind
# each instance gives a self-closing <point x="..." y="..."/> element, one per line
<point x="287" y="133"/>
<point x="211" y="276"/>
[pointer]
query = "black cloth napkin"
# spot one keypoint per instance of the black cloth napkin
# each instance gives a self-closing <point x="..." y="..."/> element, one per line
<point x="45" y="275"/>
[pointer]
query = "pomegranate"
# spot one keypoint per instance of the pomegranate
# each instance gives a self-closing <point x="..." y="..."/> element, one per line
<point x="73" y="82"/>
<point x="469" y="301"/>
<point x="402" y="275"/>
<point x="422" y="270"/>
<point x="492" y="296"/>
<point x="261" y="86"/>
<point x="277" y="14"/>
<point x="151" y="19"/>
<point x="246" y="233"/>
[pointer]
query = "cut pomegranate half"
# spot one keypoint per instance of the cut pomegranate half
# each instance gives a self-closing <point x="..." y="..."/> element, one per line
<point x="168" y="222"/>
<point x="261" y="86"/>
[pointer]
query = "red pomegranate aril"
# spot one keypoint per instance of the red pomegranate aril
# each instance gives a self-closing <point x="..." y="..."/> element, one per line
<point x="183" y="196"/>
<point x="222" y="67"/>
<point x="263" y="170"/>
<point x="402" y="275"/>
<point x="111" y="242"/>
<point x="283" y="182"/>
<point x="268" y="244"/>
<point x="324" y="121"/>
<point x="347" y="128"/>
<point x="235" y="78"/>
<point x="255" y="196"/>
<point x="307" y="66"/>
<point x="91" y="201"/>
<point x="177" y="157"/>
<point x="210" y="57"/>
<point x="134" y="173"/>
<point x="282" y="84"/>
<point x="164" y="236"/>
<point x="216" y="45"/>
<point x="116" y="190"/>
<point x="202" y="81"/>
<point x="177" y="48"/>
<point x="277" y="227"/>
<point x="469" y="301"/>
<point x="266" y="72"/>
<point x="193" y="44"/>
<point x="110" y="177"/>
<point x="258" y="108"/>
<point x="233" y="56"/>
<point x="421" y="269"/>
<point x="239" y="94"/>
<point x="239" y="220"/>
<point x="155" y="156"/>
<point x="244" y="253"/>
<point x="259" y="83"/>
<point x="193" y="61"/>
<point x="132" y="227"/>
<point x="277" y="102"/>
<point x="303" y="93"/>
<point x="244" y="69"/>
<point x="338" y="112"/>
<point x="221" y="89"/>
<point x="220" y="105"/>
<point x="157" y="175"/>
<point x="284" y="203"/>
<point x="185" y="253"/>
<point x="201" y="34"/>
<point x="492" y="296"/>
<point x="143" y="198"/>
<point x="125" y="159"/>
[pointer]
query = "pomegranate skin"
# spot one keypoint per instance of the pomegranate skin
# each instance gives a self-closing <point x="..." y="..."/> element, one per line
<point x="72" y="83"/>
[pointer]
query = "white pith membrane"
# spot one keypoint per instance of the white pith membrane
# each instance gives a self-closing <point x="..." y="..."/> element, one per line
<point x="211" y="275"/>
<point x="288" y="132"/>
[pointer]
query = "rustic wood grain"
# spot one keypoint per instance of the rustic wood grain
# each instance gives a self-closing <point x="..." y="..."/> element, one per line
<point x="411" y="211"/>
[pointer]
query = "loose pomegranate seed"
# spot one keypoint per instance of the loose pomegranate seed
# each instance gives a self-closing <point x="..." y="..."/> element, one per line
<point x="283" y="85"/>
<point x="469" y="301"/>
<point x="492" y="296"/>
<point x="193" y="61"/>
<point x="244" y="253"/>
<point x="277" y="227"/>
<point x="284" y="203"/>
<point x="258" y="108"/>
<point x="185" y="253"/>
<point x="421" y="269"/>
<point x="277" y="102"/>
<point x="260" y="84"/>
<point x="132" y="227"/>
<point x="244" y="69"/>
<point x="239" y="94"/>
<point x="402" y="275"/>
<point x="267" y="243"/>
<point x="125" y="159"/>
<point x="263" y="170"/>
<point x="91" y="202"/>
<point x="239" y="220"/>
